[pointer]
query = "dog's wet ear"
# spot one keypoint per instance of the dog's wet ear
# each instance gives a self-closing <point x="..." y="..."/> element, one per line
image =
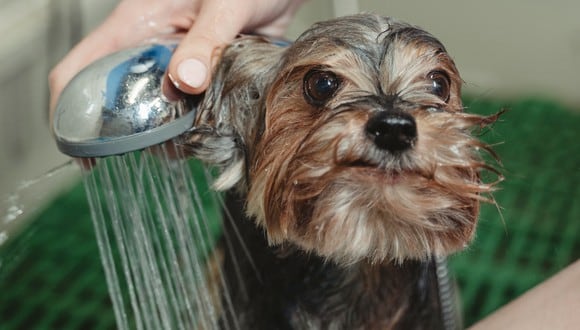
<point x="231" y="115"/>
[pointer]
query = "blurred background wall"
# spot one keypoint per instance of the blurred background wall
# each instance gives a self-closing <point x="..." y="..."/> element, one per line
<point x="504" y="49"/>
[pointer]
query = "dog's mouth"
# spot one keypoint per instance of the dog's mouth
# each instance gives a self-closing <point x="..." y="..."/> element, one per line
<point x="385" y="174"/>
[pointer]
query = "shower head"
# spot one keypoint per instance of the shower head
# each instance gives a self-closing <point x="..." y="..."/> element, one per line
<point x="116" y="105"/>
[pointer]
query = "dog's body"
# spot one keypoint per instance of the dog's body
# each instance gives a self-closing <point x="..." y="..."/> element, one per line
<point x="357" y="166"/>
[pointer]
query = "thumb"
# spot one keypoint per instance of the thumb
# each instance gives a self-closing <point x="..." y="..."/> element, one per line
<point x="216" y="25"/>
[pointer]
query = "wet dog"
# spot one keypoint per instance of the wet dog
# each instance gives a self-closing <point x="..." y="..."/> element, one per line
<point x="351" y="167"/>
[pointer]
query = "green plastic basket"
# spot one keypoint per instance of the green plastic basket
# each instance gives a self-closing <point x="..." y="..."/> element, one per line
<point x="51" y="276"/>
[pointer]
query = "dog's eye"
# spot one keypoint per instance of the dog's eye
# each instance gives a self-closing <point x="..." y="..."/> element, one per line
<point x="439" y="85"/>
<point x="320" y="86"/>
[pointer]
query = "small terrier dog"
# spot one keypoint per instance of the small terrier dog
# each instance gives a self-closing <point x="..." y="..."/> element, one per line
<point x="354" y="167"/>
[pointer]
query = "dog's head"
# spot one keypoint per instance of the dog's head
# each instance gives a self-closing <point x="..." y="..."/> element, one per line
<point x="350" y="143"/>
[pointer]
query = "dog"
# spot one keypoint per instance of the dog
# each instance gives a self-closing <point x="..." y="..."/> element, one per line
<point x="351" y="168"/>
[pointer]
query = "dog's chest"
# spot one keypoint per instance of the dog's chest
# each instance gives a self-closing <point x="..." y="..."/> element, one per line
<point x="297" y="291"/>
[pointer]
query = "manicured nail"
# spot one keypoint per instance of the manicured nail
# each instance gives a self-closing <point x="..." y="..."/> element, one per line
<point x="174" y="81"/>
<point x="192" y="72"/>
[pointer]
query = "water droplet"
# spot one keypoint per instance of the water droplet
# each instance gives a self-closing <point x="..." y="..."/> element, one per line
<point x="455" y="149"/>
<point x="13" y="212"/>
<point x="3" y="237"/>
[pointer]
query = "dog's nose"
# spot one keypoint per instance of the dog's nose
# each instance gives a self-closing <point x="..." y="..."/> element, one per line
<point x="392" y="131"/>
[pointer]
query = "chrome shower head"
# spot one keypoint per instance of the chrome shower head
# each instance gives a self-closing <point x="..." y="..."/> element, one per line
<point x="116" y="105"/>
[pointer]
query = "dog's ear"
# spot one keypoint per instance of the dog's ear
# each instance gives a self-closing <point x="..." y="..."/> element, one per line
<point x="231" y="114"/>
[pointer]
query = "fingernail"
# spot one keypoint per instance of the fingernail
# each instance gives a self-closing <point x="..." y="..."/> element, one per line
<point x="192" y="72"/>
<point x="174" y="81"/>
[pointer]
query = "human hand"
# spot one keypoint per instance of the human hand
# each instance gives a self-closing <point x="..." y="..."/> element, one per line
<point x="208" y="25"/>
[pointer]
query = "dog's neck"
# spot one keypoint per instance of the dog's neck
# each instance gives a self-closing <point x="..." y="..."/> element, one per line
<point x="283" y="288"/>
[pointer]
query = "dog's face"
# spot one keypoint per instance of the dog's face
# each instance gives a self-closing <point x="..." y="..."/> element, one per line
<point x="360" y="148"/>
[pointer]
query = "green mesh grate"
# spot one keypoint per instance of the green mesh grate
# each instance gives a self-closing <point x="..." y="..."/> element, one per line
<point x="51" y="276"/>
<point x="540" y="231"/>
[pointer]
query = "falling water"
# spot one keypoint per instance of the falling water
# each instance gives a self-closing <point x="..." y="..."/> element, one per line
<point x="156" y="226"/>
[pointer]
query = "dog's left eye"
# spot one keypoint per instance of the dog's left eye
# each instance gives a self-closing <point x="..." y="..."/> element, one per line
<point x="320" y="86"/>
<point x="439" y="85"/>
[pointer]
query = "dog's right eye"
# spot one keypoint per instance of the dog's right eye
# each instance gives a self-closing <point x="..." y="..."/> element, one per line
<point x="440" y="85"/>
<point x="320" y="86"/>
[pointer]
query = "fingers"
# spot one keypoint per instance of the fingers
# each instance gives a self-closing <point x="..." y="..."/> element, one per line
<point x="217" y="24"/>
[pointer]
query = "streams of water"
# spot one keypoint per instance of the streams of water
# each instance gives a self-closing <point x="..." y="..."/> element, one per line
<point x="156" y="229"/>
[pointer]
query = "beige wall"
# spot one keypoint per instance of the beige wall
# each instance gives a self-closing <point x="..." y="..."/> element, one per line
<point x="503" y="48"/>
